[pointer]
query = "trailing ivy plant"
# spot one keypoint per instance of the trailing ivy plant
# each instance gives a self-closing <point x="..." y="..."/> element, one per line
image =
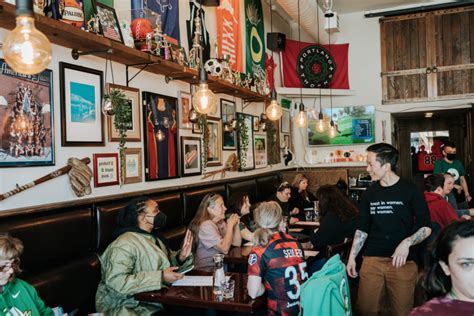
<point x="273" y="149"/>
<point x="202" y="123"/>
<point x="243" y="137"/>
<point x="123" y="116"/>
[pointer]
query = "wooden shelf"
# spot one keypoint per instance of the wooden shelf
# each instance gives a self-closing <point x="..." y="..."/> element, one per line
<point x="63" y="34"/>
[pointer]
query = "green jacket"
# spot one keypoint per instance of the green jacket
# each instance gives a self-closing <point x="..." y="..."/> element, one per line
<point x="20" y="298"/>
<point x="327" y="291"/>
<point x="133" y="263"/>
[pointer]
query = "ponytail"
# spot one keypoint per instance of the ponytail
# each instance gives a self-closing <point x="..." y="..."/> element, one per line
<point x="267" y="216"/>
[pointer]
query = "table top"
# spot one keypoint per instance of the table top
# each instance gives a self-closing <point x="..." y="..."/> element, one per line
<point x="305" y="225"/>
<point x="240" y="255"/>
<point x="203" y="296"/>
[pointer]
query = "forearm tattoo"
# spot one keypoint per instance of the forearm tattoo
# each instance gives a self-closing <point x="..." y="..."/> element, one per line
<point x="420" y="235"/>
<point x="359" y="240"/>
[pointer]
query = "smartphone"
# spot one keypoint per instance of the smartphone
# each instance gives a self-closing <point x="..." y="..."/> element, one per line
<point x="183" y="270"/>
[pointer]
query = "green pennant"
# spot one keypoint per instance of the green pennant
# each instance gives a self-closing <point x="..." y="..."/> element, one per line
<point x="255" y="41"/>
<point x="285" y="103"/>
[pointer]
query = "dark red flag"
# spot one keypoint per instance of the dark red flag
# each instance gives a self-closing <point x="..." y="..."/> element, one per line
<point x="311" y="65"/>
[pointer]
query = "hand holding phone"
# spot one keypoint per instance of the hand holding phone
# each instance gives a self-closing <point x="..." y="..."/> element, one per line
<point x="183" y="270"/>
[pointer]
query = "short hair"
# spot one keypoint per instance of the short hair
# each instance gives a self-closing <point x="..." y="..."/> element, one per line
<point x="11" y="248"/>
<point x="283" y="186"/>
<point x="385" y="153"/>
<point x="448" y="144"/>
<point x="433" y="181"/>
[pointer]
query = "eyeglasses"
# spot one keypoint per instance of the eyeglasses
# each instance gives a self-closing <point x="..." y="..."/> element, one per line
<point x="7" y="264"/>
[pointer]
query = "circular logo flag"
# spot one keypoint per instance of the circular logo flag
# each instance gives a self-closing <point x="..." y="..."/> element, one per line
<point x="315" y="67"/>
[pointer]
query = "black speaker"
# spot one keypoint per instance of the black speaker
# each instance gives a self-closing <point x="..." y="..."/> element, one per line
<point x="210" y="3"/>
<point x="276" y="41"/>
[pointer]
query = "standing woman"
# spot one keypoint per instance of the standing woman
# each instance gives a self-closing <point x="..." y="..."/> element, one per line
<point x="301" y="198"/>
<point x="212" y="234"/>
<point x="449" y="279"/>
<point x="276" y="263"/>
<point x="239" y="203"/>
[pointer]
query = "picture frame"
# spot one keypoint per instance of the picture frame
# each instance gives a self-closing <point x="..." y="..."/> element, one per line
<point x="285" y="121"/>
<point x="214" y="156"/>
<point x="108" y="21"/>
<point x="260" y="147"/>
<point x="196" y="129"/>
<point x="256" y="123"/>
<point x="27" y="124"/>
<point x="106" y="169"/>
<point x="191" y="156"/>
<point x="249" y="154"/>
<point x="160" y="117"/>
<point x="81" y="102"/>
<point x="132" y="165"/>
<point x="184" y="108"/>
<point x="134" y="126"/>
<point x="287" y="141"/>
<point x="229" y="137"/>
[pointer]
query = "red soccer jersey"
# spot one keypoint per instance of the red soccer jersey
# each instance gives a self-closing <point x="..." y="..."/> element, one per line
<point x="282" y="267"/>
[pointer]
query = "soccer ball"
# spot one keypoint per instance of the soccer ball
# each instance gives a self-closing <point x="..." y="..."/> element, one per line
<point x="213" y="67"/>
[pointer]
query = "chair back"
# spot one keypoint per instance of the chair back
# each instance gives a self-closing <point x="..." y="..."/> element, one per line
<point x="343" y="249"/>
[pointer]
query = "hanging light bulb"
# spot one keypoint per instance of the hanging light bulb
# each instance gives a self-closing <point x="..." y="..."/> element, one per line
<point x="107" y="107"/>
<point x="204" y="100"/>
<point x="26" y="50"/>
<point x="160" y="136"/>
<point x="301" y="119"/>
<point x="332" y="130"/>
<point x="320" y="124"/>
<point x="228" y="127"/>
<point x="193" y="116"/>
<point x="263" y="122"/>
<point x="327" y="7"/>
<point x="274" y="111"/>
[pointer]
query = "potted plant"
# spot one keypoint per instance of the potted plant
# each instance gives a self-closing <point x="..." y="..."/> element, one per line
<point x="242" y="132"/>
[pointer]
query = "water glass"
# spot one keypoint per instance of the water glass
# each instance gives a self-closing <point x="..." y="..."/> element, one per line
<point x="308" y="214"/>
<point x="228" y="287"/>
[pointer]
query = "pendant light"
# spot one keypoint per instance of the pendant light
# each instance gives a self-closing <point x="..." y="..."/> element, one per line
<point x="301" y="118"/>
<point x="273" y="111"/>
<point x="107" y="106"/>
<point x="327" y="6"/>
<point x="25" y="49"/>
<point x="204" y="100"/>
<point x="320" y="126"/>
<point x="332" y="129"/>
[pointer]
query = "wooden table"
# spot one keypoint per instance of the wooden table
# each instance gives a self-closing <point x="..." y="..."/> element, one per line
<point x="203" y="297"/>
<point x="305" y="225"/>
<point x="240" y="255"/>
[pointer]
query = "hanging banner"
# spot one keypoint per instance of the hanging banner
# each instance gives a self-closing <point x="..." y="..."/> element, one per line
<point x="229" y="41"/>
<point x="254" y="33"/>
<point x="311" y="65"/>
<point x="168" y="11"/>
<point x="194" y="12"/>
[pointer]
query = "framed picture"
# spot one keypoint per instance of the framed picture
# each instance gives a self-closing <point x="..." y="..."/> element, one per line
<point x="109" y="24"/>
<point x="214" y="154"/>
<point x="81" y="99"/>
<point x="285" y="121"/>
<point x="190" y="156"/>
<point x="260" y="147"/>
<point x="287" y="141"/>
<point x="106" y="170"/>
<point x="229" y="135"/>
<point x="133" y="126"/>
<point x="185" y="105"/>
<point x="256" y="123"/>
<point x="247" y="156"/>
<point x="26" y="124"/>
<point x="132" y="165"/>
<point x="196" y="128"/>
<point x="160" y="115"/>
<point x="178" y="55"/>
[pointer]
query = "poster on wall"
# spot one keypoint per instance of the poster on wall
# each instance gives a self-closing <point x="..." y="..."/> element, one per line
<point x="353" y="124"/>
<point x="26" y="118"/>
<point x="160" y="117"/>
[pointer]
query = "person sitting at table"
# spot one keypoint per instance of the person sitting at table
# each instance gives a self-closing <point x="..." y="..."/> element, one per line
<point x="276" y="263"/>
<point x="338" y="221"/>
<point x="212" y="234"/>
<point x="300" y="197"/>
<point x="137" y="261"/>
<point x="449" y="277"/>
<point x="239" y="203"/>
<point x="17" y="297"/>
<point x="282" y="197"/>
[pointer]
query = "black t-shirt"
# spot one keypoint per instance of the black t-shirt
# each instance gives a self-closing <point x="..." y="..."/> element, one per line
<point x="300" y="202"/>
<point x="285" y="206"/>
<point x="390" y="214"/>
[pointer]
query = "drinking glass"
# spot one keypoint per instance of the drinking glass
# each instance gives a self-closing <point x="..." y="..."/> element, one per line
<point x="309" y="214"/>
<point x="228" y="287"/>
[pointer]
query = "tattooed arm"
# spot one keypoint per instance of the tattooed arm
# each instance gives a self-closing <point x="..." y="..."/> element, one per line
<point x="399" y="257"/>
<point x="359" y="240"/>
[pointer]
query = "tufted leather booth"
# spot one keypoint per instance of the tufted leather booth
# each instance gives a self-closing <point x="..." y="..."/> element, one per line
<point x="266" y="186"/>
<point x="192" y="199"/>
<point x="248" y="187"/>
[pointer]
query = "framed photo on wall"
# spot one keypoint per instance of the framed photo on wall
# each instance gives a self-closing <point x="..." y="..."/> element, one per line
<point x="27" y="125"/>
<point x="196" y="128"/>
<point x="106" y="170"/>
<point x="108" y="21"/>
<point x="256" y="123"/>
<point x="184" y="100"/>
<point x="160" y="115"/>
<point x="285" y="121"/>
<point x="229" y="135"/>
<point x="190" y="156"/>
<point x="133" y="127"/>
<point x="260" y="147"/>
<point x="132" y="165"/>
<point x="81" y="100"/>
<point x="248" y="155"/>
<point x="214" y="154"/>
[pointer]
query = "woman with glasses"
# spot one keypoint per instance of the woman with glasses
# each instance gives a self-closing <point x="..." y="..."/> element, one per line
<point x="16" y="296"/>
<point x="301" y="198"/>
<point x="212" y="234"/>
<point x="239" y="203"/>
<point x="137" y="261"/>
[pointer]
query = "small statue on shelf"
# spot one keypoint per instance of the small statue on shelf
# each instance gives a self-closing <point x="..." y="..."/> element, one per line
<point x="226" y="71"/>
<point x="195" y="53"/>
<point x="93" y="24"/>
